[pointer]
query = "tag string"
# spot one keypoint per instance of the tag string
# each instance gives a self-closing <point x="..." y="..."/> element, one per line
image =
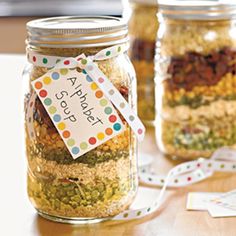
<point x="88" y="64"/>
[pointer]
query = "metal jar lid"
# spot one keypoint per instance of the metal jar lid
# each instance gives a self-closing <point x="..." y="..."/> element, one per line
<point x="198" y="9"/>
<point x="79" y="32"/>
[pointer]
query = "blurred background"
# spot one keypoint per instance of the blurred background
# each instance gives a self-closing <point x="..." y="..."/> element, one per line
<point x="15" y="13"/>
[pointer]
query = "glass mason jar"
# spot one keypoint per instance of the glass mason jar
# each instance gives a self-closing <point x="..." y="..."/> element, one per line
<point x="143" y="27"/>
<point x="196" y="78"/>
<point x="102" y="182"/>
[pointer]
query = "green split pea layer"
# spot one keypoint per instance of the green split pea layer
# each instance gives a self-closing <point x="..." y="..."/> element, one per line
<point x="200" y="138"/>
<point x="73" y="199"/>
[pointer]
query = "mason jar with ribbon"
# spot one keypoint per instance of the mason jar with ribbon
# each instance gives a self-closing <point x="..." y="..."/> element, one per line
<point x="81" y="125"/>
<point x="80" y="118"/>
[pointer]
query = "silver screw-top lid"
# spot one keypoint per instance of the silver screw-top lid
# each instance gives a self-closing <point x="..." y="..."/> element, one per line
<point x="198" y="9"/>
<point x="84" y="31"/>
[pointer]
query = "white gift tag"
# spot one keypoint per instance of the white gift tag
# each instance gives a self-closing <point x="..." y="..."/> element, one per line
<point x="198" y="201"/>
<point x="83" y="116"/>
<point x="207" y="201"/>
<point x="227" y="200"/>
<point x="220" y="211"/>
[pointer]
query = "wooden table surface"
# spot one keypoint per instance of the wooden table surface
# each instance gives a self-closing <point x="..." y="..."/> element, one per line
<point x="18" y="218"/>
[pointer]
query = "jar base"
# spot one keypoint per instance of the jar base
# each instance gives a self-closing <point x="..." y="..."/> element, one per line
<point x="72" y="220"/>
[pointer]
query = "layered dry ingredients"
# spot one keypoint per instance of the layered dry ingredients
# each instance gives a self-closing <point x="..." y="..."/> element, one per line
<point x="198" y="69"/>
<point x="143" y="27"/>
<point x="98" y="184"/>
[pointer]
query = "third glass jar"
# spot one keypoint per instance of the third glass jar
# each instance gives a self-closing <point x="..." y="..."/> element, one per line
<point x="143" y="27"/>
<point x="196" y="78"/>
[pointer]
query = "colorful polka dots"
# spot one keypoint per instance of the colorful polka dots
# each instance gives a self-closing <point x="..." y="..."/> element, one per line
<point x="66" y="62"/>
<point x="57" y="118"/>
<point x="55" y="75"/>
<point x="131" y="118"/>
<point x="92" y="140"/>
<point x="125" y="215"/>
<point x="103" y="102"/>
<point x="84" y="61"/>
<point x="99" y="94"/>
<point x="43" y="93"/>
<point x="66" y="134"/>
<point x="61" y="126"/>
<point x="111" y="92"/>
<point x="100" y="80"/>
<point x="108" y="53"/>
<point x="89" y="79"/>
<point x="112" y="118"/>
<point x="140" y="131"/>
<point x="38" y="85"/>
<point x="94" y="86"/>
<point x="117" y="127"/>
<point x="52" y="110"/>
<point x="64" y="71"/>
<point x="84" y="146"/>
<point x="108" y="131"/>
<point x="71" y="142"/>
<point x="138" y="213"/>
<point x="45" y="60"/>
<point x="108" y="110"/>
<point x="122" y="105"/>
<point x="100" y="136"/>
<point x="75" y="150"/>
<point x="47" y="80"/>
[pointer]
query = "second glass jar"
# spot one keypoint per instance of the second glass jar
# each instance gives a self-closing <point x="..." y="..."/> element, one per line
<point x="196" y="78"/>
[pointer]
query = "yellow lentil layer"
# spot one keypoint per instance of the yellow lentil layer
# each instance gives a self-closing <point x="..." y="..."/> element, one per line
<point x="225" y="87"/>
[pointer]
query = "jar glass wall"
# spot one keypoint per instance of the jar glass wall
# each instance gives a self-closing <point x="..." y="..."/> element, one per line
<point x="96" y="185"/>
<point x="143" y="27"/>
<point x="195" y="81"/>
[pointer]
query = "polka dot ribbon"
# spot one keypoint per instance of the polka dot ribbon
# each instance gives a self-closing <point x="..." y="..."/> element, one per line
<point x="29" y="113"/>
<point x="88" y="64"/>
<point x="188" y="173"/>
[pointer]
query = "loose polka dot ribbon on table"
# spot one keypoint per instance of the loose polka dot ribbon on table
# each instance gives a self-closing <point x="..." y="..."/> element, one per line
<point x="91" y="68"/>
<point x="188" y="173"/>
